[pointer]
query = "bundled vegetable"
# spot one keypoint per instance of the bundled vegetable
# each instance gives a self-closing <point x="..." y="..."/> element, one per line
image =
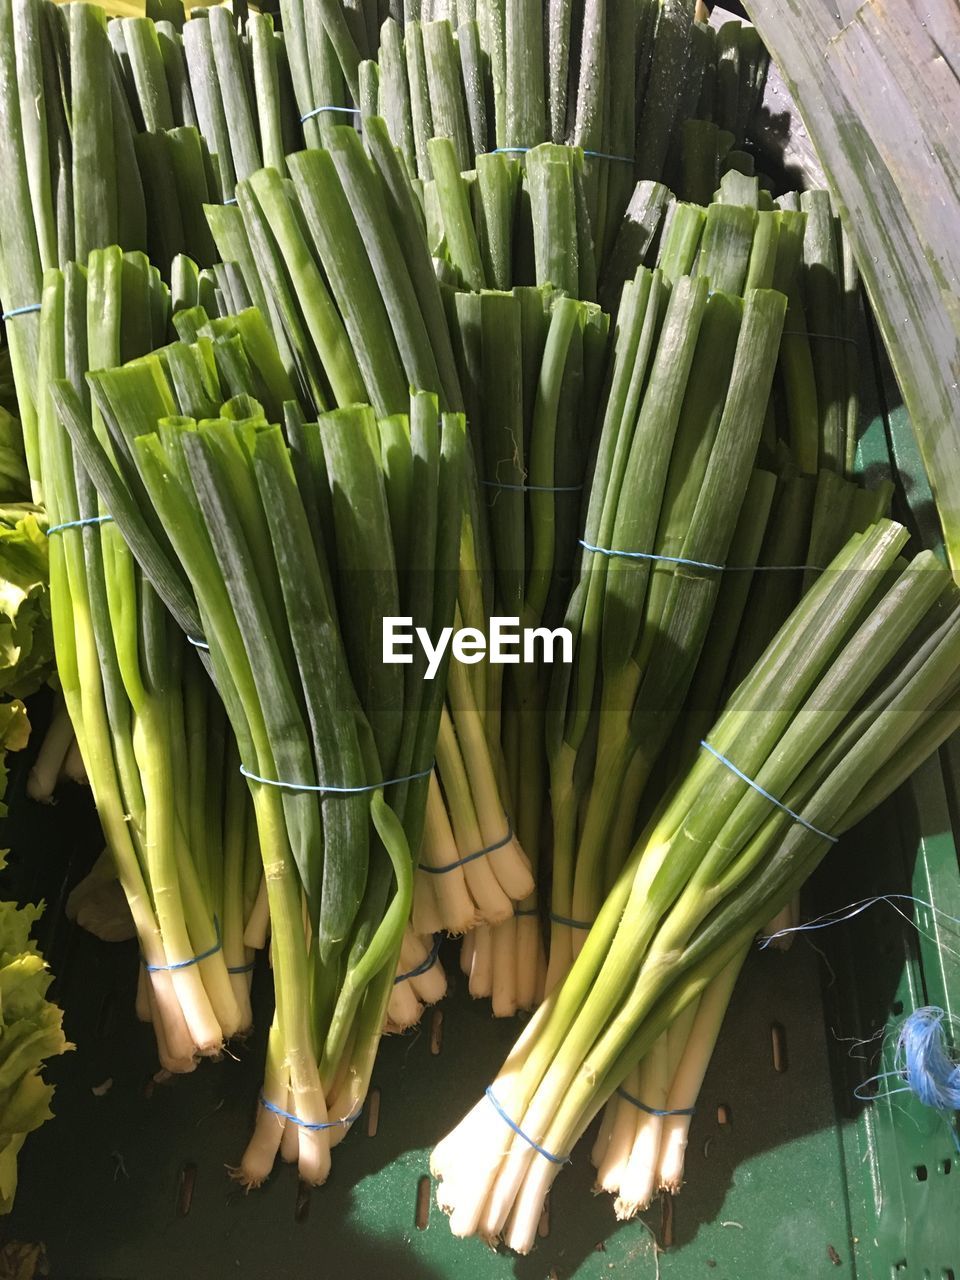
<point x="860" y="684"/>
<point x="671" y="475"/>
<point x="618" y="82"/>
<point x="341" y="263"/>
<point x="151" y="730"/>
<point x="296" y="543"/>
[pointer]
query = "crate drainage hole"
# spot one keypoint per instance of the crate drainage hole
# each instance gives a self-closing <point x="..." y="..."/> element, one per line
<point x="947" y="1274"/>
<point x="436" y="1031"/>
<point x="897" y="1006"/>
<point x="422" y="1215"/>
<point x="302" y="1206"/>
<point x="373" y="1113"/>
<point x="946" y="1165"/>
<point x="543" y="1227"/>
<point x="920" y="1172"/>
<point x="666" y="1220"/>
<point x="723" y="1114"/>
<point x="105" y="1017"/>
<point x="778" y="1045"/>
<point x="185" y="1184"/>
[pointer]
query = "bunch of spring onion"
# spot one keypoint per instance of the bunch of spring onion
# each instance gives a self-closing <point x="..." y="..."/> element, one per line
<point x="860" y="684"/>
<point x="229" y="87"/>
<point x="71" y="182"/>
<point x="118" y="132"/>
<point x="511" y="221"/>
<point x="338" y="259"/>
<point x="152" y="733"/>
<point x="617" y="81"/>
<point x="531" y="361"/>
<point x="736" y="245"/>
<point x="285" y="548"/>
<point x="640" y="1152"/>
<point x="675" y="453"/>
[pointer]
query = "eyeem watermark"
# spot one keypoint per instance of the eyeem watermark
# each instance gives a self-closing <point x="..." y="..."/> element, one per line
<point x="507" y="643"/>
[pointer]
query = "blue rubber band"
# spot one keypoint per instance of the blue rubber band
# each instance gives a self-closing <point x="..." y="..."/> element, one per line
<point x="20" y="311"/>
<point x="534" y="488"/>
<point x="605" y="155"/>
<point x="425" y="964"/>
<point x="323" y="789"/>
<point x="307" y="1124"/>
<point x="319" y="111"/>
<point x="701" y="564"/>
<point x="586" y="925"/>
<point x="242" y="968"/>
<point x="185" y="964"/>
<point x="480" y="853"/>
<point x="198" y="643"/>
<point x="526" y="911"/>
<point x="824" y="835"/>
<point x="508" y="151"/>
<point x="654" y="1111"/>
<point x="230" y="200"/>
<point x="547" y="1155"/>
<point x="77" y="524"/>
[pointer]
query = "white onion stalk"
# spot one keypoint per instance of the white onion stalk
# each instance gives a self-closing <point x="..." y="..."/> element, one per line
<point x="481" y="962"/>
<point x="618" y="1129"/>
<point x="42" y="778"/>
<point x="442" y="901"/>
<point x="410" y="994"/>
<point x="691" y="1070"/>
<point x="638" y="1183"/>
<point x="786" y="918"/>
<point x="73" y="768"/>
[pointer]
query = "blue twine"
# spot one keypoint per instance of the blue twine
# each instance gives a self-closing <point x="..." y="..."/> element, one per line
<point x="824" y="835"/>
<point x="327" y="790"/>
<point x="318" y="111"/>
<point x="547" y="1155"/>
<point x="77" y="524"/>
<point x="480" y="853"/>
<point x="198" y="643"/>
<point x="586" y="925"/>
<point x="701" y="564"/>
<point x="829" y="337"/>
<point x="425" y="964"/>
<point x="924" y="1060"/>
<point x="649" y="555"/>
<point x="595" y="155"/>
<point x="242" y="968"/>
<point x="654" y="1111"/>
<point x="526" y="911"/>
<point x="606" y="155"/>
<point x="185" y="964"/>
<point x="841" y="914"/>
<point x="20" y="311"/>
<point x="534" y="488"/>
<point x="230" y="200"/>
<point x="307" y="1124"/>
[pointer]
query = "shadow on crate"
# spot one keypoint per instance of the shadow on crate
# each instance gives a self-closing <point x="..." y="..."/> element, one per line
<point x="129" y="1181"/>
